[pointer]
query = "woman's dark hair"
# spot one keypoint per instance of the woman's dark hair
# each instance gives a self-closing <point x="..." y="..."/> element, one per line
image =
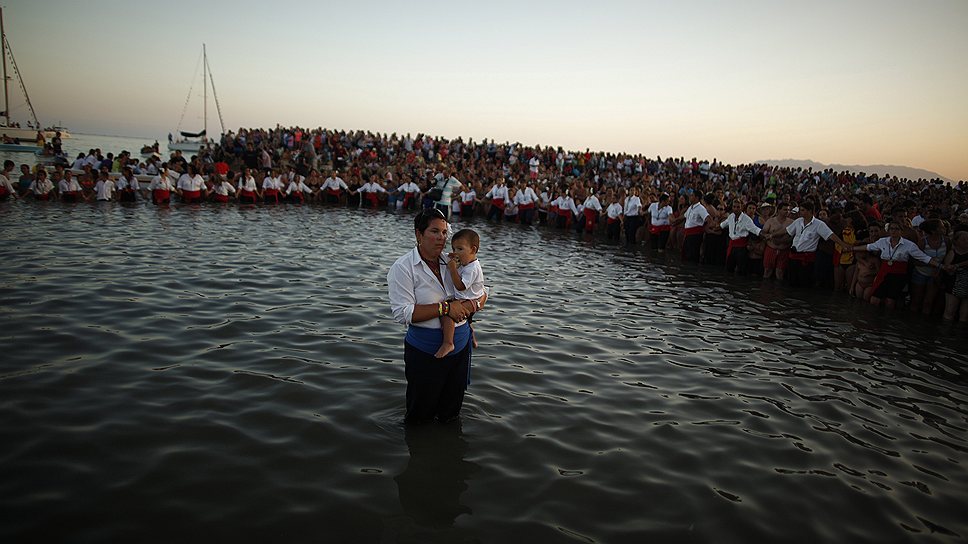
<point x="422" y="220"/>
<point x="931" y="226"/>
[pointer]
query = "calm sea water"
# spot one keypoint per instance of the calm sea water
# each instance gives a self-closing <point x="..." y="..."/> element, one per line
<point x="208" y="373"/>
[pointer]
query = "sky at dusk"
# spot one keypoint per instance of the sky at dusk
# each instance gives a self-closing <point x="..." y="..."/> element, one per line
<point x="849" y="82"/>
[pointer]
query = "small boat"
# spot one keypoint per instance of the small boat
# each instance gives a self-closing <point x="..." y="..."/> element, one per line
<point x="193" y="142"/>
<point x="21" y="148"/>
<point x="13" y="130"/>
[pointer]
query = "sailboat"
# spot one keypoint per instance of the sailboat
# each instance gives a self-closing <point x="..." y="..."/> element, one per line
<point x="193" y="142"/>
<point x="17" y="138"/>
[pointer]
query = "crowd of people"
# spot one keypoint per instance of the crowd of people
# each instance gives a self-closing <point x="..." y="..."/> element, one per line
<point x="850" y="232"/>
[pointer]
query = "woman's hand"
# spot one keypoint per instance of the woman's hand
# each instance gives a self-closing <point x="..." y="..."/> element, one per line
<point x="457" y="311"/>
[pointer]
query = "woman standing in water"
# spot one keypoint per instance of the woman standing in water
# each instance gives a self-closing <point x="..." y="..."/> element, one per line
<point x="421" y="292"/>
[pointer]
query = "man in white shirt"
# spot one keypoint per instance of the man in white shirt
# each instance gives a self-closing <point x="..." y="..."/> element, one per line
<point x="632" y="216"/>
<point x="807" y="231"/>
<point x="693" y="221"/>
<point x="332" y="186"/>
<point x="104" y="189"/>
<point x="526" y="200"/>
<point x="739" y="226"/>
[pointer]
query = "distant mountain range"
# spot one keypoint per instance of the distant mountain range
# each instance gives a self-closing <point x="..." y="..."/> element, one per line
<point x="879" y="169"/>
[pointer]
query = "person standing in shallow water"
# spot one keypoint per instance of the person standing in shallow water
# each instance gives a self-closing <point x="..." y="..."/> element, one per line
<point x="420" y="292"/>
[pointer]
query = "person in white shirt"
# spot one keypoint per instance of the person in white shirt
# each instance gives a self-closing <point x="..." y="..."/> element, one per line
<point x="739" y="227"/>
<point x="41" y="188"/>
<point x="592" y="209"/>
<point x="70" y="189"/>
<point x="806" y="231"/>
<point x="272" y="186"/>
<point x="370" y="191"/>
<point x="247" y="188"/>
<point x="191" y="186"/>
<point x="659" y="225"/>
<point x="693" y="219"/>
<point x="411" y="194"/>
<point x="223" y="189"/>
<point x="127" y="186"/>
<point x="104" y="189"/>
<point x="892" y="277"/>
<point x="468" y="278"/>
<point x="499" y="198"/>
<point x="297" y="191"/>
<point x="468" y="197"/>
<point x="333" y="187"/>
<point x="566" y="210"/>
<point x="161" y="187"/>
<point x="7" y="190"/>
<point x="533" y="166"/>
<point x="632" y="216"/>
<point x="613" y="221"/>
<point x="420" y="294"/>
<point x="526" y="200"/>
<point x="544" y="206"/>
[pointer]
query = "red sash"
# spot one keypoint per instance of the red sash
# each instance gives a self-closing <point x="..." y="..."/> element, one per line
<point x="739" y="242"/>
<point x="335" y="192"/>
<point x="88" y="184"/>
<point x="553" y="209"/>
<point x="296" y="196"/>
<point x="66" y="196"/>
<point x="656" y="229"/>
<point x="45" y="196"/>
<point x="499" y="202"/>
<point x="247" y="194"/>
<point x="372" y="198"/>
<point x="191" y="196"/>
<point x="407" y="197"/>
<point x="612" y="221"/>
<point x="221" y="198"/>
<point x="523" y="207"/>
<point x="161" y="196"/>
<point x="693" y="231"/>
<point x="590" y="217"/>
<point x="898" y="267"/>
<point x="803" y="258"/>
<point x="4" y="192"/>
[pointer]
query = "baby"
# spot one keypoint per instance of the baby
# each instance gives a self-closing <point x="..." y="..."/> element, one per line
<point x="468" y="279"/>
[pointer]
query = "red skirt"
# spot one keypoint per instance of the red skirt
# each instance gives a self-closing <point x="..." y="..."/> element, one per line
<point x="612" y="221"/>
<point x="525" y="207"/>
<point x="271" y="195"/>
<point x="160" y="196"/>
<point x="45" y="196"/>
<point x="221" y="198"/>
<point x="739" y="242"/>
<point x="889" y="268"/>
<point x="191" y="196"/>
<point x="372" y="199"/>
<point x="693" y="231"/>
<point x="803" y="257"/>
<point x="333" y="192"/>
<point x="591" y="216"/>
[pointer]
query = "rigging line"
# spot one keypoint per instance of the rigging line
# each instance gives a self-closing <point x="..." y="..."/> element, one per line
<point x="198" y="65"/>
<point x="214" y="94"/>
<point x="20" y="79"/>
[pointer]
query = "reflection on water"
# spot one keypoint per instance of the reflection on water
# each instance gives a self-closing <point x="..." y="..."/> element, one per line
<point x="238" y="370"/>
<point x="431" y="485"/>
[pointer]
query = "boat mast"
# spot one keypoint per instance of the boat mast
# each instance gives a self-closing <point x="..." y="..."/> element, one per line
<point x="3" y="51"/>
<point x="204" y="94"/>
